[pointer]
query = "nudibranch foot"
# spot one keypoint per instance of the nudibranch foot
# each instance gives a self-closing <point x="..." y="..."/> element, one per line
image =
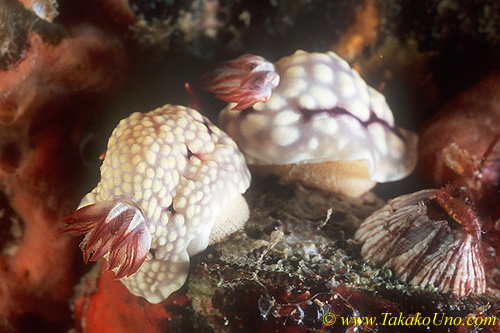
<point x="245" y="81"/>
<point x="350" y="178"/>
<point x="232" y="217"/>
<point x="117" y="228"/>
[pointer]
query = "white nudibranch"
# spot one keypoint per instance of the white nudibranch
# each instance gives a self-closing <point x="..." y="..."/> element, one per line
<point x="310" y="117"/>
<point x="171" y="184"/>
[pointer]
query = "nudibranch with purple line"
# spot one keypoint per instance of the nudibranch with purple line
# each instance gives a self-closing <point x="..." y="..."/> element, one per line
<point x="171" y="184"/>
<point x="310" y="117"/>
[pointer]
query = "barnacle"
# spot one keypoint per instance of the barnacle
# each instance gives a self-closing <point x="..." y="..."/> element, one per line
<point x="431" y="237"/>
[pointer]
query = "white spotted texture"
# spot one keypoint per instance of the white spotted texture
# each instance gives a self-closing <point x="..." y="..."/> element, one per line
<point x="322" y="110"/>
<point x="169" y="161"/>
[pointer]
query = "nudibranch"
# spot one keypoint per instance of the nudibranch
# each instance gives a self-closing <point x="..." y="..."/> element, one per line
<point x="431" y="237"/>
<point x="171" y="184"/>
<point x="310" y="117"/>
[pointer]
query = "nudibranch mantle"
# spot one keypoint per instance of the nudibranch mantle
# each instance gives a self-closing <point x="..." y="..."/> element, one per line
<point x="320" y="110"/>
<point x="167" y="181"/>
